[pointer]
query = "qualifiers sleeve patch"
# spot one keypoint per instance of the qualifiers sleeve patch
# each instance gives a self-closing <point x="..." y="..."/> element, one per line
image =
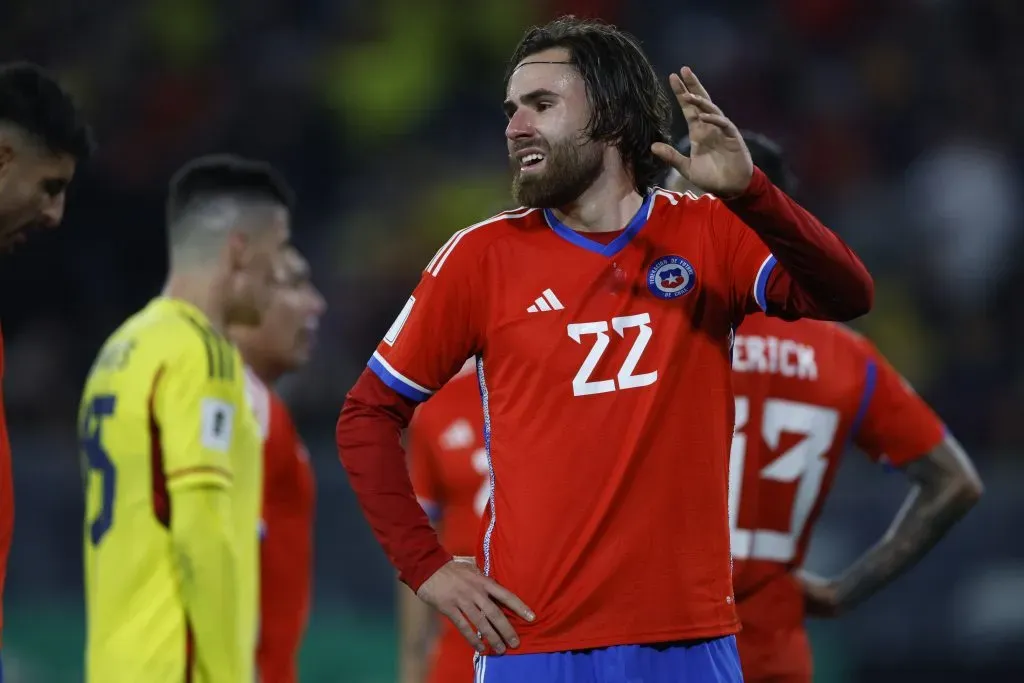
<point x="218" y="418"/>
<point x="396" y="327"/>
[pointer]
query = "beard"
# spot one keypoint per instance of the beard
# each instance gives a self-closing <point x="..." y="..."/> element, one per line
<point x="572" y="166"/>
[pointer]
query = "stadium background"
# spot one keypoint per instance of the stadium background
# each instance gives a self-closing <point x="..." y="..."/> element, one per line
<point x="904" y="119"/>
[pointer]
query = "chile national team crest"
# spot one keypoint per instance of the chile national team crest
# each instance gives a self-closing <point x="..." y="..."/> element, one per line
<point x="670" y="277"/>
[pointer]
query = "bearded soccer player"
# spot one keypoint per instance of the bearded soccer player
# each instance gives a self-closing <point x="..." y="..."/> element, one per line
<point x="42" y="140"/>
<point x="282" y="343"/>
<point x="828" y="387"/>
<point x="172" y="449"/>
<point x="601" y="316"/>
<point x="448" y="464"/>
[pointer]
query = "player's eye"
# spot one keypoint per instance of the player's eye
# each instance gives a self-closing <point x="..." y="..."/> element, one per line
<point x="55" y="186"/>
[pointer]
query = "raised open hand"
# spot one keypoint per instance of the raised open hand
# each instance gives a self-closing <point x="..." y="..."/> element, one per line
<point x="719" y="160"/>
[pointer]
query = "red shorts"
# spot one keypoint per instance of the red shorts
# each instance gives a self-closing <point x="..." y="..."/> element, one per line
<point x="452" y="660"/>
<point x="775" y="656"/>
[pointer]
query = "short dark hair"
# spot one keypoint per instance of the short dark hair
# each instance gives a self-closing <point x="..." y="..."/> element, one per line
<point x="629" y="106"/>
<point x="34" y="102"/>
<point x="218" y="175"/>
<point x="767" y="155"/>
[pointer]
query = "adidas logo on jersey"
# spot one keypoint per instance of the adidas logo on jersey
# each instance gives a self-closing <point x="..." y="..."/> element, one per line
<point x="546" y="302"/>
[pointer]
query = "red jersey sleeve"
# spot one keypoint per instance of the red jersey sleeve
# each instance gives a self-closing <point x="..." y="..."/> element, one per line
<point x="895" y="426"/>
<point x="437" y="329"/>
<point x="749" y="263"/>
<point x="423" y="468"/>
<point x="818" y="275"/>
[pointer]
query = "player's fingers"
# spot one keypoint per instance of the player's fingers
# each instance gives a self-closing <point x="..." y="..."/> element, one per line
<point x="673" y="157"/>
<point x="690" y="111"/>
<point x="677" y="85"/>
<point x="465" y="628"/>
<point x="692" y="83"/>
<point x="703" y="104"/>
<point x="720" y="122"/>
<point x="484" y="627"/>
<point x="499" y="622"/>
<point x="510" y="600"/>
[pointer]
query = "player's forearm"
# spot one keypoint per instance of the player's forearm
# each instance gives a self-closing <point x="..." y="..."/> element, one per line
<point x="414" y="621"/>
<point x="368" y="437"/>
<point x="207" y="559"/>
<point x="817" y="276"/>
<point x="946" y="488"/>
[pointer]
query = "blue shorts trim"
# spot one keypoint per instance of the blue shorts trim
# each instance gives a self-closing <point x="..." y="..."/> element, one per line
<point x="706" y="661"/>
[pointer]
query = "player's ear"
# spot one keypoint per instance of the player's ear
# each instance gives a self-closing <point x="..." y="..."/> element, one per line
<point x="236" y="251"/>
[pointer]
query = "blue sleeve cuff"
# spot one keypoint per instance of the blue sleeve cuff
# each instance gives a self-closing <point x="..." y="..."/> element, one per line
<point x="394" y="379"/>
<point x="761" y="282"/>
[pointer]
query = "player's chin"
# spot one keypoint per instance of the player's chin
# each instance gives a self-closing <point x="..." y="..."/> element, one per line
<point x="301" y="354"/>
<point x="532" y="190"/>
<point x="11" y="239"/>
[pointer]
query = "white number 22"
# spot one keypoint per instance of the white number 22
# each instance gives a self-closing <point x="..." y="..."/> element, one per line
<point x="582" y="385"/>
<point x="805" y="462"/>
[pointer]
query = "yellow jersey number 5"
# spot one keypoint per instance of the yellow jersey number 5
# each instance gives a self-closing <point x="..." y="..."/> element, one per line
<point x="97" y="460"/>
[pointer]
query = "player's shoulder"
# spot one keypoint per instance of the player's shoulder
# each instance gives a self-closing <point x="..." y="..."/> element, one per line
<point x="680" y="203"/>
<point x="468" y="245"/>
<point x="174" y="334"/>
<point x="696" y="212"/>
<point x="834" y="346"/>
<point x="847" y="339"/>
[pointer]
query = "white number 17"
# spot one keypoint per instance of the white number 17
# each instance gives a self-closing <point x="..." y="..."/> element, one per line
<point x="582" y="385"/>
<point x="805" y="462"/>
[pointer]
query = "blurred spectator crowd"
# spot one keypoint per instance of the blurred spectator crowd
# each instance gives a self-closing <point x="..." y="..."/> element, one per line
<point x="900" y="116"/>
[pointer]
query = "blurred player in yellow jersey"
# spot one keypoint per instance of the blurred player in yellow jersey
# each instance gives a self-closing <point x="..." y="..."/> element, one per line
<point x="172" y="449"/>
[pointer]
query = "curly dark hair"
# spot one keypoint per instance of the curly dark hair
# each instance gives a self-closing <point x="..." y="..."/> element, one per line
<point x="34" y="102"/>
<point x="629" y="106"/>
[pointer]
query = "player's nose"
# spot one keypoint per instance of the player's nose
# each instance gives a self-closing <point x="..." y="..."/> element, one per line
<point x="53" y="213"/>
<point x="317" y="303"/>
<point x="520" y="125"/>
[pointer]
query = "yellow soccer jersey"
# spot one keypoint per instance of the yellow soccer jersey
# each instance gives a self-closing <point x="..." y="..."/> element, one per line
<point x="164" y="407"/>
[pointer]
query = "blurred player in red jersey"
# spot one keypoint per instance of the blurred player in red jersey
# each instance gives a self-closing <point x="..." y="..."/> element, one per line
<point x="281" y="344"/>
<point x="601" y="317"/>
<point x="42" y="140"/>
<point x="805" y="391"/>
<point x="448" y="462"/>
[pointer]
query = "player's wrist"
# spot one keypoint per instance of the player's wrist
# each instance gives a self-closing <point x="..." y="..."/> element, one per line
<point x="756" y="187"/>
<point x="416" y="575"/>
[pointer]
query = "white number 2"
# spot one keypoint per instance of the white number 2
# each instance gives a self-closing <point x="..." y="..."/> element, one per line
<point x="805" y="462"/>
<point x="582" y="385"/>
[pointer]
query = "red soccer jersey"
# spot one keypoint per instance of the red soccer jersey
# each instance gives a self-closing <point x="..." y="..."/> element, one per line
<point x="804" y="391"/>
<point x="6" y="492"/>
<point x="286" y="552"/>
<point x="607" y="407"/>
<point x="449" y="472"/>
